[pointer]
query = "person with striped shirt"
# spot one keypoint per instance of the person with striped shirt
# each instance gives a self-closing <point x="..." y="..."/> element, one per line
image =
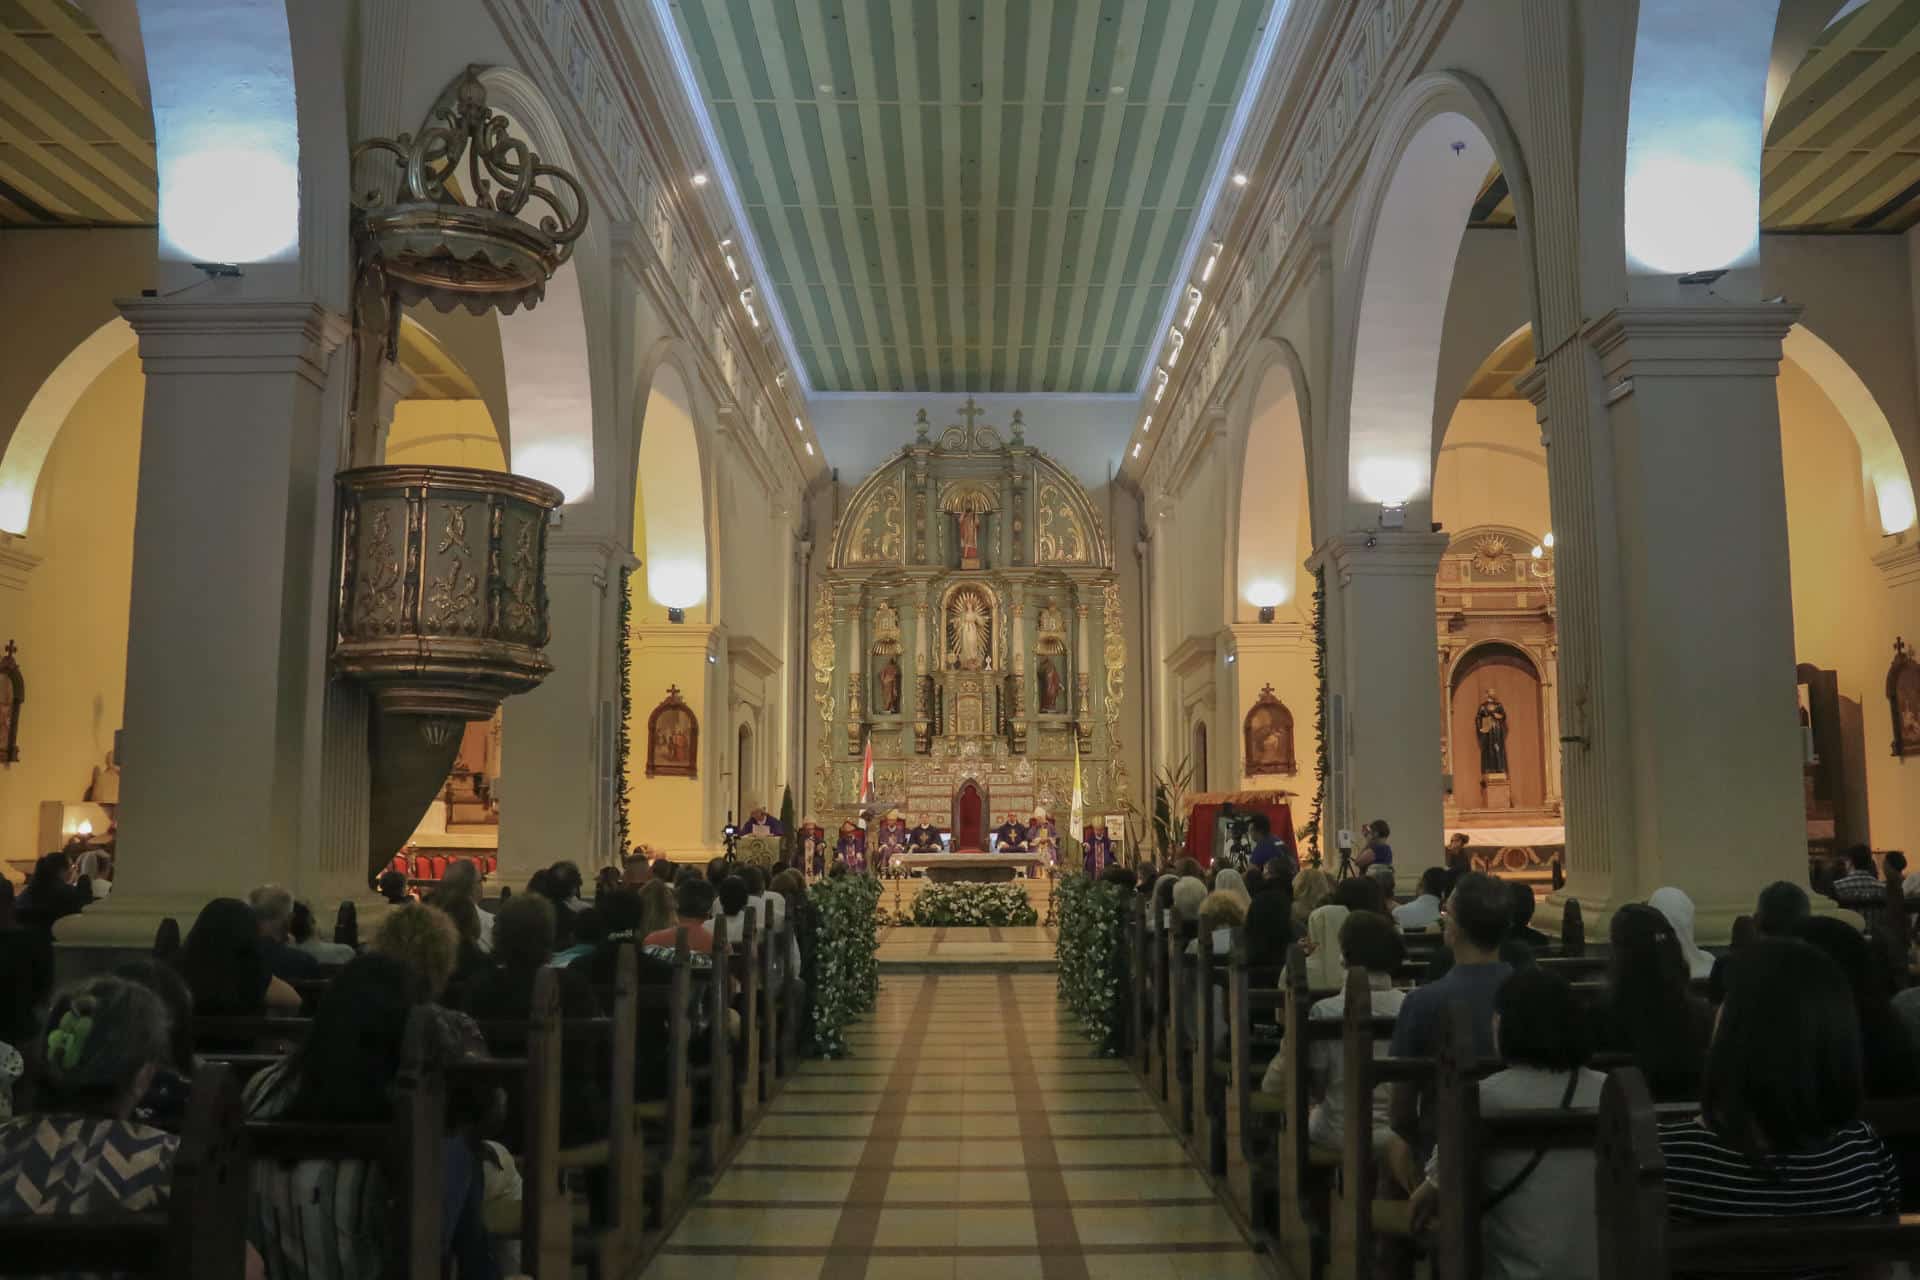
<point x="1779" y="1132"/>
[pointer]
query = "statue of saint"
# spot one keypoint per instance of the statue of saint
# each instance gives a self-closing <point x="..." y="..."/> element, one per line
<point x="890" y="687"/>
<point x="969" y="630"/>
<point x="968" y="524"/>
<point x="1051" y="686"/>
<point x="1490" y="726"/>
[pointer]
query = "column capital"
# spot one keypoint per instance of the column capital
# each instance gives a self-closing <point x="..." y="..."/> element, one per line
<point x="1722" y="340"/>
<point x="587" y="554"/>
<point x="1899" y="560"/>
<point x="1383" y="553"/>
<point x="235" y="336"/>
<point x="16" y="563"/>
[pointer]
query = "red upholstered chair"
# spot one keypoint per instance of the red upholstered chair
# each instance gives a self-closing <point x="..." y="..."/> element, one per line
<point x="400" y="864"/>
<point x="436" y="867"/>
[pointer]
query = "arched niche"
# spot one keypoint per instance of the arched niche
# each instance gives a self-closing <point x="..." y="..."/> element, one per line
<point x="670" y="510"/>
<point x="1439" y="141"/>
<point x="1507" y="672"/>
<point x="47" y="412"/>
<point x="1271" y="522"/>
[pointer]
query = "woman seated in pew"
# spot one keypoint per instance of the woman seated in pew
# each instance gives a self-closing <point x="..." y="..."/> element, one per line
<point x="1677" y="907"/>
<point x="1366" y="941"/>
<point x="226" y="969"/>
<point x="300" y="935"/>
<point x="656" y="907"/>
<point x="1890" y="1067"/>
<point x="1187" y="895"/>
<point x="470" y="960"/>
<point x="1537" y="1218"/>
<point x="1779" y="1132"/>
<point x="1311" y="889"/>
<point x="164" y="1104"/>
<point x="1271" y="928"/>
<point x="1650" y="1010"/>
<point x="326" y="1219"/>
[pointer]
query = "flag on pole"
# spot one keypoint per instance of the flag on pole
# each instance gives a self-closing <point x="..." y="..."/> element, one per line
<point x="866" y="773"/>
<point x="1076" y="826"/>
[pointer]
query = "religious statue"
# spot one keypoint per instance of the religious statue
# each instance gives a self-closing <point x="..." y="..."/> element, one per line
<point x="13" y="692"/>
<point x="889" y="700"/>
<point x="1096" y="849"/>
<point x="1490" y="726"/>
<point x="1011" y="837"/>
<point x="967" y="526"/>
<point x="1052" y="687"/>
<point x="969" y="630"/>
<point x="852" y="847"/>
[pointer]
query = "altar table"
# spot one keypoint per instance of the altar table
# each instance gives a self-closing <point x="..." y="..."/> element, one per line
<point x="988" y="868"/>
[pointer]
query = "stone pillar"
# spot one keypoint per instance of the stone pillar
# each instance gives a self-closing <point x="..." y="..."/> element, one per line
<point x="1381" y="661"/>
<point x="554" y="801"/>
<point x="222" y="746"/>
<point x="1680" y="529"/>
<point x="1550" y="718"/>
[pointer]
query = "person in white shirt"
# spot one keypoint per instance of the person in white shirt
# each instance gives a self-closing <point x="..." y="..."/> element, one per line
<point x="1424" y="911"/>
<point x="1370" y="942"/>
<point x="1528" y="1232"/>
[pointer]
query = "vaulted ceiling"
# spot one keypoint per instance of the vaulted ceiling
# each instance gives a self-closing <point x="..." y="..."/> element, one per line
<point x="76" y="139"/>
<point x="983" y="195"/>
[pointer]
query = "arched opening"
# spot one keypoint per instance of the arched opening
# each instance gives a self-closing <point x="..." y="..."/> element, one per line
<point x="670" y="518"/>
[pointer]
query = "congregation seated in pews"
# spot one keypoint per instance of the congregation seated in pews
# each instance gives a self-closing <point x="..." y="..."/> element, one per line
<point x="1471" y="1092"/>
<point x="452" y="1099"/>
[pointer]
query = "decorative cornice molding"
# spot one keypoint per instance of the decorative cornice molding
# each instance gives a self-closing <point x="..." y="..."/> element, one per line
<point x="752" y="656"/>
<point x="235" y="336"/>
<point x="16" y="563"/>
<point x="1899" y="560"/>
<point x="1386" y="553"/>
<point x="1691" y="341"/>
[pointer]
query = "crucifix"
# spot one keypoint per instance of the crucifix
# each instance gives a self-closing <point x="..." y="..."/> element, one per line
<point x="970" y="411"/>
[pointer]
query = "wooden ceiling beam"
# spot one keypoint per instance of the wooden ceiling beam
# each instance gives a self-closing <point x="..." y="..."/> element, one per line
<point x="63" y="23"/>
<point x="1845" y="94"/>
<point x="70" y="91"/>
<point x="1823" y="176"/>
<point x="114" y="207"/>
<point x="83" y="151"/>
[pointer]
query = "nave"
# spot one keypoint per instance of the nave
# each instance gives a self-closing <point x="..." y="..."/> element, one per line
<point x="970" y="1134"/>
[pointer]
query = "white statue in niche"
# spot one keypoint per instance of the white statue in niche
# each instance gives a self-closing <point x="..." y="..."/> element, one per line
<point x="969" y="630"/>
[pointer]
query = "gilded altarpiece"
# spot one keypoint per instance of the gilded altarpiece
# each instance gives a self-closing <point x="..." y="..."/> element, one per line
<point x="968" y="626"/>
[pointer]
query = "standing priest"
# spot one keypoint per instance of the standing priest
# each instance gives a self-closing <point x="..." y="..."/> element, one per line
<point x="1096" y="849"/>
<point x="759" y="824"/>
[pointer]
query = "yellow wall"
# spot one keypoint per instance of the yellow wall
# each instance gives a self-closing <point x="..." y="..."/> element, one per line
<point x="1842" y="617"/>
<point x="448" y="433"/>
<point x="1492" y="469"/>
<point x="71" y="622"/>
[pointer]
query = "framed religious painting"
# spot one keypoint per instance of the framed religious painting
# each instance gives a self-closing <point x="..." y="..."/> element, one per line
<point x="673" y="739"/>
<point x="1268" y="729"/>
<point x="1903" y="699"/>
<point x="13" y="694"/>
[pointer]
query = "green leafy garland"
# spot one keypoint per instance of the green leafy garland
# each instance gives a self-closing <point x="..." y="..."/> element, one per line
<point x="993" y="905"/>
<point x="847" y="976"/>
<point x="1092" y="914"/>
<point x="1310" y="834"/>
<point x="622" y="810"/>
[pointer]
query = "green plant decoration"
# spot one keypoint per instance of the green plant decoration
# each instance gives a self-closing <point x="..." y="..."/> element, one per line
<point x="622" y="809"/>
<point x="990" y="905"/>
<point x="1309" y="835"/>
<point x="847" y="976"/>
<point x="1091" y="951"/>
<point x="789" y="834"/>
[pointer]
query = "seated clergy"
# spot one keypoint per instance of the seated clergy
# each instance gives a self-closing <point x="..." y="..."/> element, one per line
<point x="759" y="824"/>
<point x="852" y="846"/>
<point x="890" y="840"/>
<point x="1096" y="849"/>
<point x="1011" y="837"/>
<point x="813" y="847"/>
<point x="1041" y="837"/>
<point x="924" y="838"/>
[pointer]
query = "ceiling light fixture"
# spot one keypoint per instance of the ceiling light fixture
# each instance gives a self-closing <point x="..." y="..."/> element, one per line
<point x="746" y="300"/>
<point x="700" y="179"/>
<point x="1160" y="385"/>
<point x="1239" y="179"/>
<point x="733" y="270"/>
<point x="1179" y="341"/>
<point x="1193" y="305"/>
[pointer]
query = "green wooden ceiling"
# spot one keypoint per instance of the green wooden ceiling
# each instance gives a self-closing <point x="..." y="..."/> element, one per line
<point x="972" y="195"/>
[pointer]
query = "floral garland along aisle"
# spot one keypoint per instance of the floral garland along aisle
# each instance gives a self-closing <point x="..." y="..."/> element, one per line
<point x="990" y="905"/>
<point x="1091" y="960"/>
<point x="847" y="973"/>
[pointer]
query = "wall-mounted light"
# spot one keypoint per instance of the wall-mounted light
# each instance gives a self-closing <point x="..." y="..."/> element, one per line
<point x="796" y="424"/>
<point x="1213" y="256"/>
<point x="1147" y="425"/>
<point x="700" y="179"/>
<point x="746" y="300"/>
<point x="1136" y="449"/>
<point x="1232" y="658"/>
<point x="1160" y="384"/>
<point x="1393" y="515"/>
<point x="809" y="448"/>
<point x="1193" y="305"/>
<point x="676" y="615"/>
<point x="1239" y="179"/>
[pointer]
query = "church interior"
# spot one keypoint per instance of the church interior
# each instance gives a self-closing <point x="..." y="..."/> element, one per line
<point x="977" y="475"/>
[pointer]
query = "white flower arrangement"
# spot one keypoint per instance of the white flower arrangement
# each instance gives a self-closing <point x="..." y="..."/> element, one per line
<point x="965" y="903"/>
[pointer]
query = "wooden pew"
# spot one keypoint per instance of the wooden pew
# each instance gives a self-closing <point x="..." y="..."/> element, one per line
<point x="202" y="1231"/>
<point x="1358" y="1216"/>
<point x="1209" y="1145"/>
<point x="1178" y="1010"/>
<point x="747" y="956"/>
<point x="714" y="1078"/>
<point x="166" y="939"/>
<point x="1254" y="998"/>
<point x="669" y="1118"/>
<point x="1465" y="1138"/>
<point x="1573" y="929"/>
<point x="1159" y="1078"/>
<point x="772" y="995"/>
<point x="1639" y="1242"/>
<point x="1305" y="1170"/>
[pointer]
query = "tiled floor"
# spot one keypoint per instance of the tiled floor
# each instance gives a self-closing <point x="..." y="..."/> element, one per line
<point x="907" y="945"/>
<point x="971" y="1136"/>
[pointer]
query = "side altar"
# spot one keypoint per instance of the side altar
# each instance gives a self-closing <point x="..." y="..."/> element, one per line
<point x="968" y="629"/>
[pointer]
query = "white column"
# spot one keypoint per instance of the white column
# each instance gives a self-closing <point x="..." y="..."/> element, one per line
<point x="1381" y="660"/>
<point x="551" y="802"/>
<point x="220" y="747"/>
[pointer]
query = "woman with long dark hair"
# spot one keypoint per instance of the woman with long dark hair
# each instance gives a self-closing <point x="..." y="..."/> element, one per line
<point x="1779" y="1132"/>
<point x="1650" y="1011"/>
<point x="226" y="968"/>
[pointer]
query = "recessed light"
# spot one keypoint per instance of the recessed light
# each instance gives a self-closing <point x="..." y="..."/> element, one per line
<point x="1117" y="90"/>
<point x="1239" y="179"/>
<point x="700" y="179"/>
<point x="824" y="87"/>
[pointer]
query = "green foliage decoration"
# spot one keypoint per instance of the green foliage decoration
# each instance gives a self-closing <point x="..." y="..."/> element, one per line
<point x="1090" y="949"/>
<point x="622" y="748"/>
<point x="847" y="974"/>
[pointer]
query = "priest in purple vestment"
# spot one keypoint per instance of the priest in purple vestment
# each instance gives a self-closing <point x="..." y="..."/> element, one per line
<point x="852" y="846"/>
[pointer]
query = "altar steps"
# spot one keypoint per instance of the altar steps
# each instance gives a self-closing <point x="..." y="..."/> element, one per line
<point x="905" y="949"/>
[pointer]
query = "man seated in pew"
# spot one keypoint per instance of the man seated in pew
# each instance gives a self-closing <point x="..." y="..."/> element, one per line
<point x="1477" y="919"/>
<point x="1423" y="912"/>
<point x="81" y="1151"/>
<point x="328" y="1217"/>
<point x="1891" y="1068"/>
<point x="1520" y="927"/>
<point x="1649" y="1010"/>
<point x="1536" y="1209"/>
<point x="1777" y="913"/>
<point x="693" y="907"/>
<point x="273" y="909"/>
<point x="1370" y="942"/>
<point x="300" y="937"/>
<point x="1780" y="1131"/>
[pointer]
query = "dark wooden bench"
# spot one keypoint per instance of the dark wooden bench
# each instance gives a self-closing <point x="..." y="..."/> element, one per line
<point x="1255" y="1000"/>
<point x="202" y="1231"/>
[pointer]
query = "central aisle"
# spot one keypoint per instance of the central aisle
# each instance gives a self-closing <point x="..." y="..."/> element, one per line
<point x="972" y="1135"/>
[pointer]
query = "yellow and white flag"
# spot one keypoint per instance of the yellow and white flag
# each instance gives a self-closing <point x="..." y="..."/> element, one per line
<point x="1076" y="826"/>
